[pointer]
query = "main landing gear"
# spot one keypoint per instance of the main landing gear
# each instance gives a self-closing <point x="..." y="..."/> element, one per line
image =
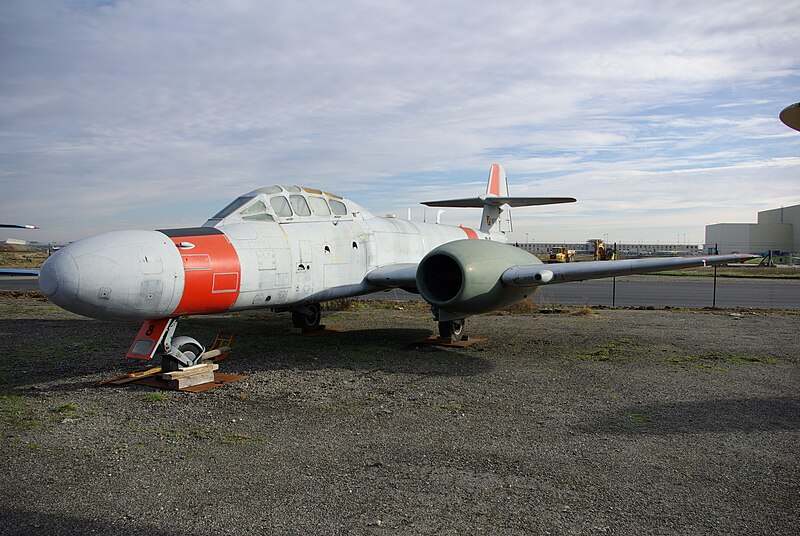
<point x="307" y="317"/>
<point x="449" y="329"/>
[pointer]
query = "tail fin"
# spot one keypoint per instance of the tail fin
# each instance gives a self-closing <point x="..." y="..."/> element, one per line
<point x="496" y="218"/>
<point x="498" y="182"/>
<point x="496" y="203"/>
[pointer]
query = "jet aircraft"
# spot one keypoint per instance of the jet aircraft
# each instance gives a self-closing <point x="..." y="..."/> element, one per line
<point x="289" y="248"/>
<point x="791" y="116"/>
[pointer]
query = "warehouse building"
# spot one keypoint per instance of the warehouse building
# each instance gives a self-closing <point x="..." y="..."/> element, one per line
<point x="777" y="230"/>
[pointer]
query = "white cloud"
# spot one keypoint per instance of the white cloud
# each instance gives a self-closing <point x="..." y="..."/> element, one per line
<point x="105" y="108"/>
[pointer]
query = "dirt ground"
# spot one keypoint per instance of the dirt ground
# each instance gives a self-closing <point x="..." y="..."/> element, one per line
<point x="613" y="422"/>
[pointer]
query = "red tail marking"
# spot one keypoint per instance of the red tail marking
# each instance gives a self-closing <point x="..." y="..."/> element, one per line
<point x="494" y="180"/>
<point x="471" y="234"/>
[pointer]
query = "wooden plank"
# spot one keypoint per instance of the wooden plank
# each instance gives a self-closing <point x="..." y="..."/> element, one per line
<point x="219" y="380"/>
<point x="212" y="355"/>
<point x="190" y="371"/>
<point x="189" y="381"/>
<point x="133" y="376"/>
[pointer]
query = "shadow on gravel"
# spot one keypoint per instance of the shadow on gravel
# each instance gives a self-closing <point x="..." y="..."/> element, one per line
<point x="68" y="351"/>
<point x="386" y="350"/>
<point x="733" y="415"/>
<point x="25" y="522"/>
<point x="69" y="355"/>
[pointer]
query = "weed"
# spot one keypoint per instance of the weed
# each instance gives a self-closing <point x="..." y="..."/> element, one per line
<point x="344" y="304"/>
<point x="713" y="361"/>
<point x="16" y="413"/>
<point x="155" y="397"/>
<point x="600" y="353"/>
<point x="524" y="307"/>
<point x="608" y="393"/>
<point x="66" y="408"/>
<point x="234" y="437"/>
<point x="451" y="406"/>
<point x="638" y="418"/>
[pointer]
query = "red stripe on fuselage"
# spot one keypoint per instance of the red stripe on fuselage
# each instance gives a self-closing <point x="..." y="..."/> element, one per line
<point x="212" y="274"/>
<point x="471" y="234"/>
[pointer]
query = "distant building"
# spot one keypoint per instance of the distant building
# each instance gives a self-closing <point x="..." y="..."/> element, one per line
<point x="627" y="249"/>
<point x="777" y="230"/>
<point x="14" y="242"/>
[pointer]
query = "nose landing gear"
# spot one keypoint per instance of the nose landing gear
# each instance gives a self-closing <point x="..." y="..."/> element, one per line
<point x="181" y="352"/>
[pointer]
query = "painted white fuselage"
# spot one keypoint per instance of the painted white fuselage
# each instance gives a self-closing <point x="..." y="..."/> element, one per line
<point x="313" y="261"/>
<point x="259" y="252"/>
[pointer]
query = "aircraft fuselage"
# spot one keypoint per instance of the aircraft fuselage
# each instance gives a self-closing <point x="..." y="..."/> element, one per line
<point x="230" y="264"/>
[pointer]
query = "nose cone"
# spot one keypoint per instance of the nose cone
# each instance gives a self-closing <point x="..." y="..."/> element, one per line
<point x="58" y="278"/>
<point x="135" y="275"/>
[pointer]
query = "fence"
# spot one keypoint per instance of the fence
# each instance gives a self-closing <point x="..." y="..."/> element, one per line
<point x="661" y="291"/>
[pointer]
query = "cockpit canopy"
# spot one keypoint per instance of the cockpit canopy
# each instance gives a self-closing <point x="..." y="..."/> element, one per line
<point x="285" y="204"/>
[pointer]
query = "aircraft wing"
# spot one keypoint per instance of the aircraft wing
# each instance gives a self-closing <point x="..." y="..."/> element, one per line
<point x="531" y="275"/>
<point x="14" y="271"/>
<point x="394" y="275"/>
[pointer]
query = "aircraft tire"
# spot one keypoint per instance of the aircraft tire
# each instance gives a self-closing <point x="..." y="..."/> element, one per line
<point x="453" y="330"/>
<point x="308" y="322"/>
<point x="170" y="364"/>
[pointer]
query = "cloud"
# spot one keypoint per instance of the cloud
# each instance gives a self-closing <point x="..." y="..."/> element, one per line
<point x="111" y="110"/>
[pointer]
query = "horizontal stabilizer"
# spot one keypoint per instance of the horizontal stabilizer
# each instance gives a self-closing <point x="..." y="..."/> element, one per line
<point x="531" y="275"/>
<point x="480" y="202"/>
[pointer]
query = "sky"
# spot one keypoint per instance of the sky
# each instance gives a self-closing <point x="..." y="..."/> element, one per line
<point x="660" y="117"/>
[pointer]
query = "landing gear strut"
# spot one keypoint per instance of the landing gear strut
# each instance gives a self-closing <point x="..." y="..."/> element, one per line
<point x="452" y="329"/>
<point x="307" y="317"/>
<point x="179" y="351"/>
<point x="449" y="329"/>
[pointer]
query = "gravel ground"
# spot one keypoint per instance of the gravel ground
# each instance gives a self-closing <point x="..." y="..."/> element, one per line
<point x="612" y="422"/>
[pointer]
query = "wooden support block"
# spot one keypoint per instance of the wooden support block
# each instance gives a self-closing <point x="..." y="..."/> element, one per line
<point x="190" y="371"/>
<point x="190" y="381"/>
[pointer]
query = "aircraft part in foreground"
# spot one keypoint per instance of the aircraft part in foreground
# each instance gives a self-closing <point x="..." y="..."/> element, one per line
<point x="288" y="248"/>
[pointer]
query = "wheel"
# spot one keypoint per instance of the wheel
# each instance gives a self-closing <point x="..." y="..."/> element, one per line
<point x="169" y="363"/>
<point x="188" y="347"/>
<point x="308" y="322"/>
<point x="453" y="330"/>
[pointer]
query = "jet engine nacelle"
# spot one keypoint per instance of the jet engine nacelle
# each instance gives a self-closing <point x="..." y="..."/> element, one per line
<point x="463" y="277"/>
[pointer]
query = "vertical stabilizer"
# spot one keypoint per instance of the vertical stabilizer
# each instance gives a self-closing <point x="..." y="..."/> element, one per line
<point x="496" y="218"/>
<point x="498" y="182"/>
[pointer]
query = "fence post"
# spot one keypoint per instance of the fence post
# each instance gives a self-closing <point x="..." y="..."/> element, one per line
<point x="714" y="295"/>
<point x="714" y="298"/>
<point x="614" y="292"/>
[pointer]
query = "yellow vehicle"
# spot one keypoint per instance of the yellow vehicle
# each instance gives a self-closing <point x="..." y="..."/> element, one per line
<point x="601" y="252"/>
<point x="561" y="254"/>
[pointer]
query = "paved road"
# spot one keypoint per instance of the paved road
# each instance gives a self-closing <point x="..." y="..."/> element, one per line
<point x="19" y="282"/>
<point x="661" y="291"/>
<point x="631" y="291"/>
